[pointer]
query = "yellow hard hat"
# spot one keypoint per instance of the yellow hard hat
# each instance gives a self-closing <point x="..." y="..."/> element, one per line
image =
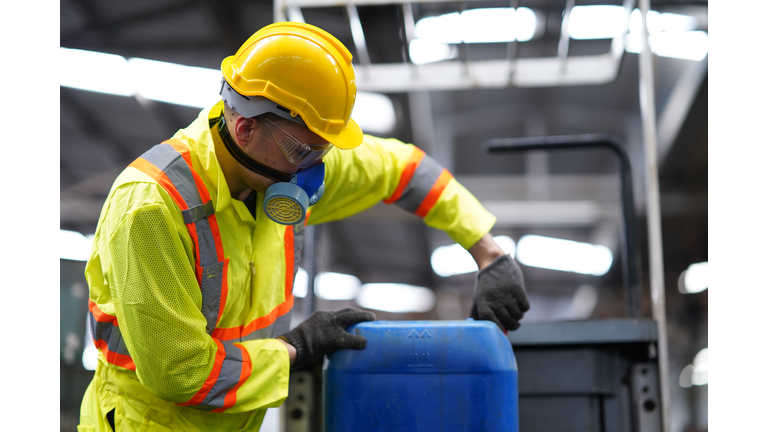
<point x="305" y="71"/>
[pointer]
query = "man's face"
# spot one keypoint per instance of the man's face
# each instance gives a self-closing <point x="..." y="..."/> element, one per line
<point x="265" y="148"/>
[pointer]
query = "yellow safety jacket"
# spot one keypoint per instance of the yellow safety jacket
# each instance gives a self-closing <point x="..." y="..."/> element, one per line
<point x="188" y="288"/>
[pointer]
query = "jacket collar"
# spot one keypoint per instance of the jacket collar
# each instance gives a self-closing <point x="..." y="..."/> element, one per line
<point x="201" y="137"/>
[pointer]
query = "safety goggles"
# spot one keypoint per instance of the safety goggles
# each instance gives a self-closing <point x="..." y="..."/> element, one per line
<point x="301" y="154"/>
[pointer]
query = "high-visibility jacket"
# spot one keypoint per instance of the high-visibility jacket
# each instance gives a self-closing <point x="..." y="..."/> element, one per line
<point x="188" y="286"/>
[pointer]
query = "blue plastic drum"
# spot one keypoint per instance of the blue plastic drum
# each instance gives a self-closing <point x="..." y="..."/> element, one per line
<point x="423" y="376"/>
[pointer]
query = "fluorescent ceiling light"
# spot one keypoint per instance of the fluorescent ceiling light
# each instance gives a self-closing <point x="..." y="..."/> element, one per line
<point x="424" y="51"/>
<point x="661" y="22"/>
<point x="374" y="112"/>
<point x="691" y="45"/>
<point x="94" y="71"/>
<point x="90" y="357"/>
<point x="442" y="28"/>
<point x="670" y="35"/>
<point x="336" y="286"/>
<point x="488" y="25"/>
<point x="301" y="284"/>
<point x="453" y="259"/>
<point x="564" y="255"/>
<point x="597" y="22"/>
<point x="695" y="279"/>
<point x="174" y="83"/>
<point x="698" y="372"/>
<point x="484" y="25"/>
<point x="398" y="298"/>
<point x="701" y="368"/>
<point x="183" y="85"/>
<point x="74" y="246"/>
<point x="90" y="352"/>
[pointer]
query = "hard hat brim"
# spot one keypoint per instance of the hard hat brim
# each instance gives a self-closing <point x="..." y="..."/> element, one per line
<point x="349" y="138"/>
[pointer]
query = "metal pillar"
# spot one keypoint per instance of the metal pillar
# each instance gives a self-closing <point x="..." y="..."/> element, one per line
<point x="653" y="213"/>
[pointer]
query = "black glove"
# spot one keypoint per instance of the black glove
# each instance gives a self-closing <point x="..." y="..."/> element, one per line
<point x="325" y="332"/>
<point x="500" y="294"/>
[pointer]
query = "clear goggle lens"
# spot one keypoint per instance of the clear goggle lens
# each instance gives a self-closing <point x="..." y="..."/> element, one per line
<point x="301" y="154"/>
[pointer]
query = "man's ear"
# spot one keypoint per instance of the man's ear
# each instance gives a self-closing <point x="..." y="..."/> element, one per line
<point x="244" y="130"/>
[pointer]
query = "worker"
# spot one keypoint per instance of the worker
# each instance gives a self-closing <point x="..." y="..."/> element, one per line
<point x="199" y="241"/>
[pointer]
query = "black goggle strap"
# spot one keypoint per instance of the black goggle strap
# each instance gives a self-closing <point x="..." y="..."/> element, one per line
<point x="247" y="161"/>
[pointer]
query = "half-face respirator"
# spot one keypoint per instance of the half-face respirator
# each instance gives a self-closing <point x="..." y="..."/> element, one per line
<point x="285" y="202"/>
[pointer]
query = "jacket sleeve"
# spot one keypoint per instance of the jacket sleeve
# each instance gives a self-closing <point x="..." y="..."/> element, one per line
<point x="157" y="302"/>
<point x="402" y="174"/>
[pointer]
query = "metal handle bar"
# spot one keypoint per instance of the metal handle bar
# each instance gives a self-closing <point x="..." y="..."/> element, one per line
<point x="631" y="264"/>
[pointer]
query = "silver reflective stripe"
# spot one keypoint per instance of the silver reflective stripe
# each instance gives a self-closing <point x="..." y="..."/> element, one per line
<point x="228" y="377"/>
<point x="282" y="324"/>
<point x="210" y="286"/>
<point x="169" y="160"/>
<point x="109" y="333"/>
<point x="161" y="156"/>
<point x="206" y="242"/>
<point x="421" y="183"/>
<point x="194" y="214"/>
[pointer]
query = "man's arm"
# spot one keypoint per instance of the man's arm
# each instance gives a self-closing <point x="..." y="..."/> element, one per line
<point x="500" y="290"/>
<point x="485" y="251"/>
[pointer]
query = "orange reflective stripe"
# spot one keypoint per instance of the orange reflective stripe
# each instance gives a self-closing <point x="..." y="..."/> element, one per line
<point x="99" y="315"/>
<point x="149" y="169"/>
<point x="434" y="194"/>
<point x="113" y="357"/>
<point x="405" y="177"/>
<point x="103" y="336"/>
<point x="212" y="377"/>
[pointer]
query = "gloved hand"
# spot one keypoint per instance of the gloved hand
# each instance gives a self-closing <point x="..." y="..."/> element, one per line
<point x="500" y="294"/>
<point x="324" y="332"/>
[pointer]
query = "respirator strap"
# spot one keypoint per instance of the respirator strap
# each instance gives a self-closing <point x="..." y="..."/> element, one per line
<point x="247" y="161"/>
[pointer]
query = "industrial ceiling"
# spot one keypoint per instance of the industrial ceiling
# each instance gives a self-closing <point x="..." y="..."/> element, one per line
<point x="101" y="134"/>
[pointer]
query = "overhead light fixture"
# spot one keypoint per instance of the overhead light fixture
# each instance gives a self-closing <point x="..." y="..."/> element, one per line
<point x="397" y="298"/>
<point x="183" y="85"/>
<point x="174" y="83"/>
<point x="564" y="255"/>
<point x="336" y="286"/>
<point x="74" y="245"/>
<point x="453" y="259"/>
<point x="597" y="22"/>
<point x="374" y="113"/>
<point x="669" y="35"/>
<point x="698" y="372"/>
<point x="424" y="51"/>
<point x="482" y="25"/>
<point x="90" y="352"/>
<point x="694" y="279"/>
<point x="691" y="45"/>
<point x="301" y="284"/>
<point x="94" y="71"/>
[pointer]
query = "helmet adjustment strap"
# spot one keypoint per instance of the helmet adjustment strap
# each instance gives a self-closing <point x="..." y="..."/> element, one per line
<point x="245" y="160"/>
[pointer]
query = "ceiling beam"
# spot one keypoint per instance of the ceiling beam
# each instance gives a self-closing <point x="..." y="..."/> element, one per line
<point x="109" y="27"/>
